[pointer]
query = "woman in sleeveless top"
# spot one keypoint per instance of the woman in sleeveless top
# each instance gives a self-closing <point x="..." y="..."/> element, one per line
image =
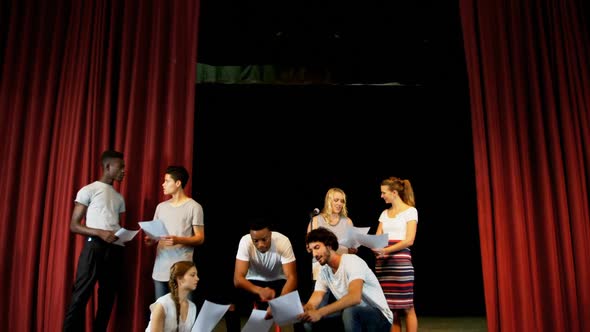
<point x="333" y="216"/>
<point x="174" y="312"/>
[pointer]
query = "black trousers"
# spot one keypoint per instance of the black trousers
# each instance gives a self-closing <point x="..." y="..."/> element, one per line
<point x="244" y="302"/>
<point x="99" y="262"/>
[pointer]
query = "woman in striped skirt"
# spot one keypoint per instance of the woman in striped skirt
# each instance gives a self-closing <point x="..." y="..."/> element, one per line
<point x="393" y="265"/>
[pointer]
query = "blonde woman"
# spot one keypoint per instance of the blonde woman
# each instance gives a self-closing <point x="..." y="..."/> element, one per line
<point x="334" y="217"/>
<point x="174" y="312"/>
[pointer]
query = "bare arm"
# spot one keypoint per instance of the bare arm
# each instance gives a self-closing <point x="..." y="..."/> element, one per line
<point x="313" y="224"/>
<point x="158" y="318"/>
<point x="379" y="229"/>
<point x="352" y="298"/>
<point x="407" y="242"/>
<point x="77" y="227"/>
<point x="197" y="239"/>
<point x="349" y="222"/>
<point x="240" y="281"/>
<point x="314" y="300"/>
<point x="290" y="270"/>
<point x="310" y="227"/>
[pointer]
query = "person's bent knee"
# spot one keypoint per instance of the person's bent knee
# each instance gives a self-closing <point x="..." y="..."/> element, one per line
<point x="358" y="318"/>
<point x="353" y="312"/>
<point x="351" y="319"/>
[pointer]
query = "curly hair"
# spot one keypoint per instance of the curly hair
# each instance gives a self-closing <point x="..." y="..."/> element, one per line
<point x="323" y="235"/>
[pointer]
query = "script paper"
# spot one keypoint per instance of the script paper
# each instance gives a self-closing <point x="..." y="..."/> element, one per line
<point x="357" y="236"/>
<point x="285" y="308"/>
<point x="124" y="235"/>
<point x="373" y="241"/>
<point x="352" y="235"/>
<point x="257" y="323"/>
<point x="155" y="229"/>
<point x="209" y="316"/>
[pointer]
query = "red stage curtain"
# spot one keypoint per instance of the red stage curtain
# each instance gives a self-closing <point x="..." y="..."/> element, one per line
<point x="79" y="77"/>
<point x="529" y="80"/>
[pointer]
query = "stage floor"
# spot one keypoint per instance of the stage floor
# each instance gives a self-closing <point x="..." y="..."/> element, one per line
<point x="425" y="324"/>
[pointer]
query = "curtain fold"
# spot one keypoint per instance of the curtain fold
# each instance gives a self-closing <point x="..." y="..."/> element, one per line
<point x="79" y="77"/>
<point x="529" y="84"/>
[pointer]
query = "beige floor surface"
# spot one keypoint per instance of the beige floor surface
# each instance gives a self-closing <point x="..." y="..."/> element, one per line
<point x="426" y="324"/>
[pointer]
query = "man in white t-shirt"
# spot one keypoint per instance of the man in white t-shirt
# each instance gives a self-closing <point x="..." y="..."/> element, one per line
<point x="264" y="269"/>
<point x="100" y="205"/>
<point x="359" y="297"/>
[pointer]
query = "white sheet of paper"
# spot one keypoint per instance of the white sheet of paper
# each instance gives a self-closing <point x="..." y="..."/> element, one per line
<point x="257" y="323"/>
<point x="352" y="237"/>
<point x="373" y="241"/>
<point x="349" y="242"/>
<point x="124" y="235"/>
<point x="154" y="229"/>
<point x="362" y="230"/>
<point x="209" y="316"/>
<point x="285" y="308"/>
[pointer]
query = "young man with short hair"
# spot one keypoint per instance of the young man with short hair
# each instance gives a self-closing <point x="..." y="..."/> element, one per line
<point x="100" y="260"/>
<point x="358" y="294"/>
<point x="183" y="218"/>
<point x="264" y="269"/>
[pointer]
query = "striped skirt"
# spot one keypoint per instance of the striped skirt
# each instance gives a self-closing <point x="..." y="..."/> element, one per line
<point x="396" y="276"/>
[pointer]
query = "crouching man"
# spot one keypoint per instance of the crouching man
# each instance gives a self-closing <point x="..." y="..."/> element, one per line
<point x="359" y="297"/>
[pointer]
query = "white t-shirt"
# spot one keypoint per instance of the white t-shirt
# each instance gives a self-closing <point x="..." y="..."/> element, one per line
<point x="104" y="205"/>
<point x="266" y="266"/>
<point x="396" y="227"/>
<point x="179" y="221"/>
<point x="351" y="268"/>
<point x="170" y="311"/>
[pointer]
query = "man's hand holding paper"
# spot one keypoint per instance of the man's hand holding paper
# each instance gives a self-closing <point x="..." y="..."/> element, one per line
<point x="154" y="229"/>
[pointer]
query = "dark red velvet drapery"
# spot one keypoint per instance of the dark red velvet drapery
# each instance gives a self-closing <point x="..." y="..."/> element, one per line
<point x="79" y="77"/>
<point x="82" y="76"/>
<point x="529" y="80"/>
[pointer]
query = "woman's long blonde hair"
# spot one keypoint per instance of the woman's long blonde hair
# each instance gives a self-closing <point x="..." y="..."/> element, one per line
<point x="327" y="210"/>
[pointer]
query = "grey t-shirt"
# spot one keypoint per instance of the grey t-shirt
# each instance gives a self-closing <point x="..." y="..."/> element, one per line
<point x="179" y="221"/>
<point x="104" y="205"/>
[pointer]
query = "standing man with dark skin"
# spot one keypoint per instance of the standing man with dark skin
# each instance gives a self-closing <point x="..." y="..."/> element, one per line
<point x="101" y="206"/>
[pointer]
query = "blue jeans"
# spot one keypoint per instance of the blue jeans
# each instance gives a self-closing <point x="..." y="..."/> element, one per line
<point x="355" y="319"/>
<point x="327" y="299"/>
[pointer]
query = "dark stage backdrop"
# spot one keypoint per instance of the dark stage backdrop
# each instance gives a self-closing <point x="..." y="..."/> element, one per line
<point x="276" y="150"/>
